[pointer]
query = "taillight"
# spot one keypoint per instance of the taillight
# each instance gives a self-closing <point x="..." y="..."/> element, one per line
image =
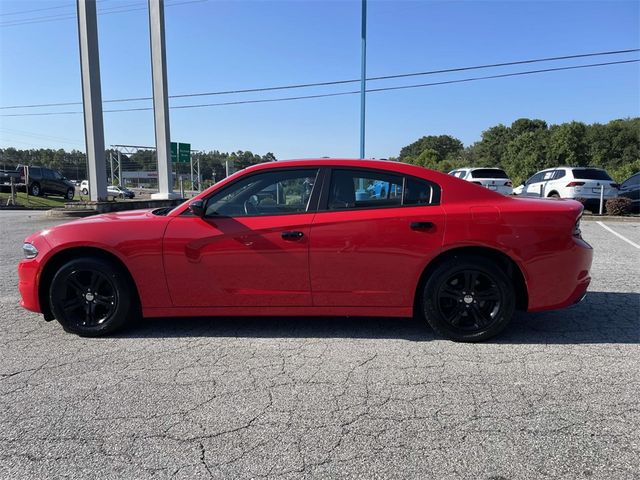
<point x="575" y="184"/>
<point x="576" y="228"/>
<point x="508" y="184"/>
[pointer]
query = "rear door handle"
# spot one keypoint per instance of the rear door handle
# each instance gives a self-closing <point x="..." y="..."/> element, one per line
<point x="292" y="235"/>
<point x="421" y="225"/>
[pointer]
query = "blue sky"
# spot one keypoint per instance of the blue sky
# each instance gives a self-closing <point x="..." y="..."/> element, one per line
<point x="219" y="45"/>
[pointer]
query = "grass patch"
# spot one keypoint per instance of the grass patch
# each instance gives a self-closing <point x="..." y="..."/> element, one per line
<point x="33" y="202"/>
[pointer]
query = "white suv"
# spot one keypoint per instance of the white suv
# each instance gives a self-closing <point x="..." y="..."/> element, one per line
<point x="492" y="178"/>
<point x="572" y="182"/>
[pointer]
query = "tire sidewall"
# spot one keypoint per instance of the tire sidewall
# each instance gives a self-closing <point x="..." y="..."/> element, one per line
<point x="36" y="191"/>
<point x="124" y="306"/>
<point x="444" y="271"/>
<point x="70" y="194"/>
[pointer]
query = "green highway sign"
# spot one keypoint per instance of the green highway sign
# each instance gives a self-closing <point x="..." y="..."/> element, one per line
<point x="184" y="152"/>
<point x="174" y="152"/>
<point x="180" y="152"/>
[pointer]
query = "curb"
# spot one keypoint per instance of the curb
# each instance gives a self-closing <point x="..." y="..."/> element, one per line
<point x="610" y="218"/>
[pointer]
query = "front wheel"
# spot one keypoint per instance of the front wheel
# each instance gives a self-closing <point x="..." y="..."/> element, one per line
<point x="468" y="299"/>
<point x="91" y="297"/>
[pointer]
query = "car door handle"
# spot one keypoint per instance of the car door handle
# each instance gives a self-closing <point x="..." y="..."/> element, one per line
<point x="421" y="225"/>
<point x="294" y="235"/>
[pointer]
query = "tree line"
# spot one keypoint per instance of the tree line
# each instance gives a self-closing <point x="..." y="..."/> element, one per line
<point x="73" y="164"/>
<point x="521" y="149"/>
<point x="530" y="145"/>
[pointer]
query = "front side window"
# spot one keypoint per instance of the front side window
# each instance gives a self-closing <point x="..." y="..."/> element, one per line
<point x="633" y="181"/>
<point x="268" y="193"/>
<point x="351" y="189"/>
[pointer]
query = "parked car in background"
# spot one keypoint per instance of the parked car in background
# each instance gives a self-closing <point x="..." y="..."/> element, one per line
<point x="118" y="191"/>
<point x="494" y="179"/>
<point x="584" y="183"/>
<point x="463" y="256"/>
<point x="113" y="191"/>
<point x="630" y="188"/>
<point x="46" y="181"/>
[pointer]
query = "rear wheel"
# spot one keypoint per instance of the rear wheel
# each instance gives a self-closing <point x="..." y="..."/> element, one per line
<point x="91" y="297"/>
<point x="70" y="194"/>
<point x="35" y="189"/>
<point x="468" y="299"/>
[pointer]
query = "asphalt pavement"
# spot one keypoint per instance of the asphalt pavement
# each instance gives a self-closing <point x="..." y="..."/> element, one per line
<point x="555" y="396"/>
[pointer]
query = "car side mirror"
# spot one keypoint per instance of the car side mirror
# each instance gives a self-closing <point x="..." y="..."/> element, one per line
<point x="197" y="208"/>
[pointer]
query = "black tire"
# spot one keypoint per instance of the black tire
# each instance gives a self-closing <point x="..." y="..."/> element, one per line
<point x="35" y="189"/>
<point x="70" y="194"/>
<point x="85" y="191"/>
<point x="468" y="299"/>
<point x="91" y="297"/>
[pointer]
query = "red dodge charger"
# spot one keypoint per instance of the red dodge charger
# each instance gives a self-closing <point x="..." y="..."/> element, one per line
<point x="316" y="237"/>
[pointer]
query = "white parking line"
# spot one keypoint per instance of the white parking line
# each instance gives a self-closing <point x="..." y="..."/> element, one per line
<point x="618" y="235"/>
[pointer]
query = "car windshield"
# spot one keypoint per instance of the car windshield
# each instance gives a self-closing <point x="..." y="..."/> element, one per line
<point x="590" y="174"/>
<point x="489" y="173"/>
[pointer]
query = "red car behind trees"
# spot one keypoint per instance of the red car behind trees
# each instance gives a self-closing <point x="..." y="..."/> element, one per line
<point x="316" y="237"/>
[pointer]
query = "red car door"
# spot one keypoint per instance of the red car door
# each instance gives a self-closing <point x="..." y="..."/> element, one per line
<point x="372" y="237"/>
<point x="251" y="249"/>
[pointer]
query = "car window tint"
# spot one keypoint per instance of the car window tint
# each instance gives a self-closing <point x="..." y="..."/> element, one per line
<point x="536" y="178"/>
<point x="559" y="174"/>
<point x="35" y="171"/>
<point x="590" y="174"/>
<point x="420" y="192"/>
<point x="269" y="193"/>
<point x="360" y="189"/>
<point x="633" y="181"/>
<point x="46" y="173"/>
<point x="489" y="173"/>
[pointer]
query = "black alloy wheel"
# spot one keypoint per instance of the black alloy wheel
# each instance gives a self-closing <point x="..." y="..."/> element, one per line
<point x="468" y="299"/>
<point x="35" y="189"/>
<point x="70" y="194"/>
<point x="91" y="297"/>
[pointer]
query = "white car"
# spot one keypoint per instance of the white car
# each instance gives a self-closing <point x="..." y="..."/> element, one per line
<point x="84" y="187"/>
<point x="491" y="178"/>
<point x="572" y="182"/>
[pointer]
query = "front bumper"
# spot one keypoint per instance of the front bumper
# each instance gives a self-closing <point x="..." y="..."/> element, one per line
<point x="28" y="275"/>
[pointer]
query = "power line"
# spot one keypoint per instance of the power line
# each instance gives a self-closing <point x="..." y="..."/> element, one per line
<point x="105" y="11"/>
<point x="336" y="94"/>
<point x="341" y="82"/>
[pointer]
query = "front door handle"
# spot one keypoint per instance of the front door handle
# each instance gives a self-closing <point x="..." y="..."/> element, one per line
<point x="421" y="225"/>
<point x="292" y="235"/>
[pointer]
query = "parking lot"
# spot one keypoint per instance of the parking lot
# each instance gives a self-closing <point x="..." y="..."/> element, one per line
<point x="555" y="396"/>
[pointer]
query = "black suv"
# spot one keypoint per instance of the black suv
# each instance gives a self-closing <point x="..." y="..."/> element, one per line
<point x="44" y="181"/>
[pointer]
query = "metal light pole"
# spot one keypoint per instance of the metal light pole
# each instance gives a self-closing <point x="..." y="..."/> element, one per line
<point x="363" y="77"/>
<point x="92" y="98"/>
<point x="160" y="100"/>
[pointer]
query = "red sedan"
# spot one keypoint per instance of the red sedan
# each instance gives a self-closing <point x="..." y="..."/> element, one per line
<point x="316" y="237"/>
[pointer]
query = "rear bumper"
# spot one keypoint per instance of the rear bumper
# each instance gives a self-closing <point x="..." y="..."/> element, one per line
<point x="560" y="280"/>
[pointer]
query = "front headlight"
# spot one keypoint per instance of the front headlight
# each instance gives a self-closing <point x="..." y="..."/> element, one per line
<point x="29" y="250"/>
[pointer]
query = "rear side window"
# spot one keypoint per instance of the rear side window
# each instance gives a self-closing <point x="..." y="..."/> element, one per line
<point x="489" y="173"/>
<point x="590" y="174"/>
<point x="351" y="189"/>
<point x="632" y="181"/>
<point x="559" y="174"/>
<point x="35" y="171"/>
<point x="420" y="192"/>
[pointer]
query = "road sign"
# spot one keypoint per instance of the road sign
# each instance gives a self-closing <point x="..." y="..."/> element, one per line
<point x="174" y="152"/>
<point x="180" y="152"/>
<point x="184" y="152"/>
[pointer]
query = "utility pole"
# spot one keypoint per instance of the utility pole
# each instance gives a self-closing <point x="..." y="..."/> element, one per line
<point x="92" y="98"/>
<point x="363" y="76"/>
<point x="160" y="100"/>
